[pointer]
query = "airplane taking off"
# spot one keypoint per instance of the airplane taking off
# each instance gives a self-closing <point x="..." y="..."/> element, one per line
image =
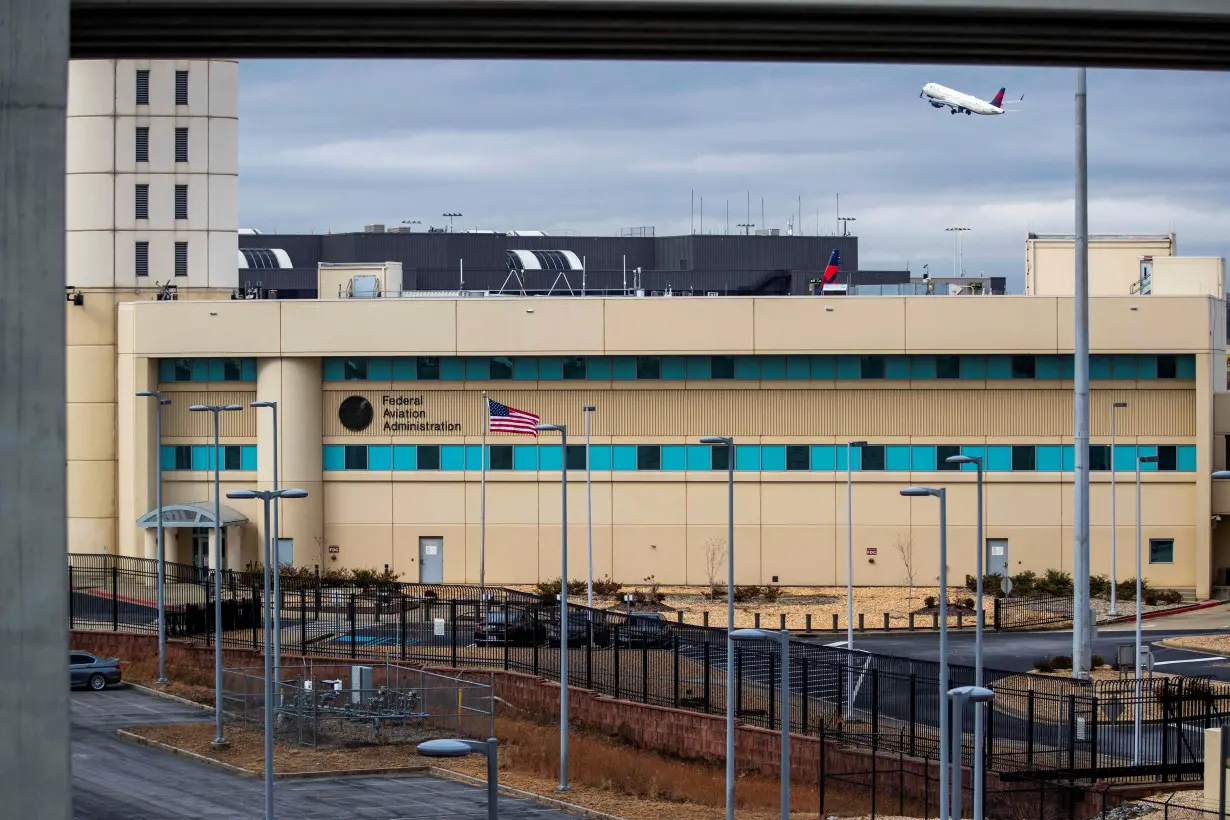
<point x="940" y="96"/>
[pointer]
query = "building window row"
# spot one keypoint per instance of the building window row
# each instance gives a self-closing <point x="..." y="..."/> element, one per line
<point x="140" y="256"/>
<point x="141" y="144"/>
<point x="207" y="370"/>
<point x="753" y="457"/>
<point x="141" y="201"/>
<point x="744" y="368"/>
<point x="201" y="456"/>
<point x="142" y="87"/>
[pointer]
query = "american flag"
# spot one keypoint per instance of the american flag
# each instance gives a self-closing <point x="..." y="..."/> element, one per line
<point x="504" y="419"/>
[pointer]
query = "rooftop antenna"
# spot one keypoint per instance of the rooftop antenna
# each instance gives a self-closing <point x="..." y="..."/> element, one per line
<point x="693" y="210"/>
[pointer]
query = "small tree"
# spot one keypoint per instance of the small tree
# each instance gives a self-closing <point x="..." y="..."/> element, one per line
<point x="715" y="561"/>
<point x="905" y="550"/>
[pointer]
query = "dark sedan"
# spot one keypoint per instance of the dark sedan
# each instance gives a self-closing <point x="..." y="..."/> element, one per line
<point x="92" y="671"/>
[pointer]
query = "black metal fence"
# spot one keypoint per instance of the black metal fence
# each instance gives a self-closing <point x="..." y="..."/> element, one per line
<point x="1026" y="613"/>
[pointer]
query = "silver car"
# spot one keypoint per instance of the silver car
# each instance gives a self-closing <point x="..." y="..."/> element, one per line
<point x="93" y="672"/>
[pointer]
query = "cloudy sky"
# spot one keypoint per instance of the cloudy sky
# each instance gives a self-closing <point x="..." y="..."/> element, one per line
<point x="598" y="146"/>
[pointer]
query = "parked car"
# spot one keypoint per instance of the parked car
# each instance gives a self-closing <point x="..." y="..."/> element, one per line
<point x="92" y="671"/>
<point x="519" y="629"/>
<point x="578" y="631"/>
<point x="645" y="629"/>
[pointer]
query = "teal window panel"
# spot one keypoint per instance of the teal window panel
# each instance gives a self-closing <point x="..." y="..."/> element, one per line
<point x="334" y="457"/>
<point x="1124" y="367"/>
<point x="772" y="457"/>
<point x="525" y="457"/>
<point x="600" y="456"/>
<point x="747" y="367"/>
<point x="452" y="457"/>
<point x="1147" y="450"/>
<point x="380" y="369"/>
<point x="599" y="367"/>
<point x="201" y="458"/>
<point x="623" y="368"/>
<point x="248" y="370"/>
<point x="897" y="367"/>
<point x="798" y="367"/>
<point x="333" y="370"/>
<point x="999" y="458"/>
<point x="674" y="457"/>
<point x="549" y="457"/>
<point x="166" y="370"/>
<point x="1100" y="367"/>
<point x="166" y="457"/>
<point x="999" y="367"/>
<point x="747" y="457"/>
<point x="405" y="457"/>
<point x="922" y="367"/>
<point x="897" y="457"/>
<point x="216" y="370"/>
<point x="1050" y="367"/>
<point x="200" y="370"/>
<point x="1069" y="458"/>
<point x="975" y="452"/>
<point x="674" y="368"/>
<point x="247" y="457"/>
<point x="473" y="457"/>
<point x="452" y="369"/>
<point x="1125" y="458"/>
<point x="825" y="367"/>
<point x="847" y="367"/>
<point x="623" y="456"/>
<point x="922" y="458"/>
<point x="478" y="368"/>
<point x="700" y="457"/>
<point x="1048" y="457"/>
<point x="824" y="457"/>
<point x="1146" y="367"/>
<point x="839" y="452"/>
<point x="1186" y="366"/>
<point x="380" y="457"/>
<point x="698" y="368"/>
<point x="973" y="367"/>
<point x="1187" y="457"/>
<point x="525" y="368"/>
<point x="773" y="367"/>
<point x="550" y="368"/>
<point x="405" y="369"/>
<point x="1067" y="366"/>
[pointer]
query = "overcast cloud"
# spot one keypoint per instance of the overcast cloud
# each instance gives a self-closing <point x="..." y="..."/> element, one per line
<point x="599" y="146"/>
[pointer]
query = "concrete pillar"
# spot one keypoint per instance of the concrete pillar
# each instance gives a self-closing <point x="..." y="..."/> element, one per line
<point x="295" y="384"/>
<point x="1209" y="367"/>
<point x="35" y="773"/>
<point x="136" y="490"/>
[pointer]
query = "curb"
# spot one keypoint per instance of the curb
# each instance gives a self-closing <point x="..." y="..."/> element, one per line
<point x="1162" y="613"/>
<point x="168" y="696"/>
<point x="546" y="802"/>
<point x="175" y="750"/>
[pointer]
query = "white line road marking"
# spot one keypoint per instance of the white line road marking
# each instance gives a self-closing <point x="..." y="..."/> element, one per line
<point x="1206" y="659"/>
<point x="836" y="643"/>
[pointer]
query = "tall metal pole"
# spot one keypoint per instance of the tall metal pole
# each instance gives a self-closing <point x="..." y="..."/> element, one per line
<point x="563" y="617"/>
<point x="850" y="445"/>
<point x="589" y="513"/>
<point x="944" y="718"/>
<point x="1080" y="529"/>
<point x="493" y="779"/>
<point x="1114" y="521"/>
<point x="784" y="637"/>
<point x="730" y="625"/>
<point x="1136" y="717"/>
<point x="220" y="739"/>
<point x="979" y="708"/>
<point x="957" y="705"/>
<point x="482" y="501"/>
<point x="269" y="708"/>
<point x="277" y="561"/>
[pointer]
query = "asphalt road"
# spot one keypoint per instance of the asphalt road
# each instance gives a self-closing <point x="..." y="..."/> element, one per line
<point x="115" y="779"/>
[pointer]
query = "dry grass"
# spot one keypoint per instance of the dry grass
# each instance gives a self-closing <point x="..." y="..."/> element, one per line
<point x="1215" y="644"/>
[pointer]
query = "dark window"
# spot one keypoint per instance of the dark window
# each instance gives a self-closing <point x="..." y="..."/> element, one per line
<point x="181" y="87"/>
<point x="142" y="86"/>
<point x="1099" y="457"/>
<point x="871" y="367"/>
<point x="501" y="368"/>
<point x="1024" y="367"/>
<point x="141" y="198"/>
<point x="722" y="367"/>
<point x="181" y="144"/>
<point x="183" y="457"/>
<point x="232" y="457"/>
<point x="79" y="659"/>
<point x="183" y="370"/>
<point x="141" y="258"/>
<point x="943" y="452"/>
<point x="648" y="457"/>
<point x="1167" y="457"/>
<point x="356" y="413"/>
<point x="1161" y="550"/>
<point x="232" y="370"/>
<point x="649" y="367"/>
<point x="142" y="143"/>
<point x="429" y="456"/>
<point x="948" y="367"/>
<point x="181" y="258"/>
<point x="719" y="457"/>
<point x="798" y="457"/>
<point x="1024" y="457"/>
<point x="356" y="457"/>
<point x="1167" y="367"/>
<point x="574" y="367"/>
<point x="576" y="457"/>
<point x="427" y="368"/>
<point x="354" y="370"/>
<point x="501" y="457"/>
<point x="873" y="457"/>
<point x="181" y="201"/>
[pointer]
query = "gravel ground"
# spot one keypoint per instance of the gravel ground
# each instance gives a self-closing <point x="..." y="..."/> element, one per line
<point x="1217" y="644"/>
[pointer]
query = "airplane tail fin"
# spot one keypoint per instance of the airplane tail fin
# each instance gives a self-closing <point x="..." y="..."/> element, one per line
<point x="830" y="272"/>
<point x="998" y="102"/>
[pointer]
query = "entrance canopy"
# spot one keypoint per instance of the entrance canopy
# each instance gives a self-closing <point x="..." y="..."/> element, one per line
<point x="193" y="514"/>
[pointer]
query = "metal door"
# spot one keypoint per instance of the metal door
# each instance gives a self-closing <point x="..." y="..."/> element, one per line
<point x="431" y="560"/>
<point x="997" y="557"/>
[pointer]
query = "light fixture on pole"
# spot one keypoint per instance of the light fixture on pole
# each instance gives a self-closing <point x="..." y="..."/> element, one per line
<point x="276" y="566"/>
<point x="450" y="220"/>
<point x="267" y="496"/>
<point x="1136" y="728"/>
<point x="216" y="409"/>
<point x="959" y="696"/>
<point x="782" y="639"/>
<point x="411" y="222"/>
<point x="958" y="256"/>
<point x="941" y="494"/>
<point x="589" y="512"/>
<point x="460" y="748"/>
<point x="730" y="620"/>
<point x="845" y="224"/>
<point x="1114" y="521"/>
<point x="979" y="710"/>
<point x="746" y="226"/>
<point x="563" y="604"/>
<point x="162" y="606"/>
<point x="850" y="575"/>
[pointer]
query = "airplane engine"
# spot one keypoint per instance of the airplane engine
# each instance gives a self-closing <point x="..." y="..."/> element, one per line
<point x="937" y="105"/>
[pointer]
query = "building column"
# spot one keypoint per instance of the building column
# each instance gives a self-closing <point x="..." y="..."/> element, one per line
<point x="1209" y="366"/>
<point x="136" y="476"/>
<point x="35" y="775"/>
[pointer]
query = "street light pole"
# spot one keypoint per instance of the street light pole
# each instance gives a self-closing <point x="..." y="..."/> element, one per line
<point x="730" y="620"/>
<point x="850" y="576"/>
<point x="979" y="709"/>
<point x="276" y="566"/>
<point x="782" y="639"/>
<point x="162" y="609"/>
<point x="958" y="696"/>
<point x="589" y="511"/>
<point x="1081" y="623"/>
<point x="460" y="748"/>
<point x="1136" y="729"/>
<point x="1114" y="521"/>
<point x="563" y="605"/>
<point x="220" y="739"/>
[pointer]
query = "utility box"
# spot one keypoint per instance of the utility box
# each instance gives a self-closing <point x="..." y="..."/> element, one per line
<point x="360" y="685"/>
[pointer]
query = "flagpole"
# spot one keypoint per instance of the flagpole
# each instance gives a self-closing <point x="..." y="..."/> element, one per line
<point x="482" y="503"/>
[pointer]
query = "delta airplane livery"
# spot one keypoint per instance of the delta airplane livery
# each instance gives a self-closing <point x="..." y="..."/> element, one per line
<point x="941" y="96"/>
